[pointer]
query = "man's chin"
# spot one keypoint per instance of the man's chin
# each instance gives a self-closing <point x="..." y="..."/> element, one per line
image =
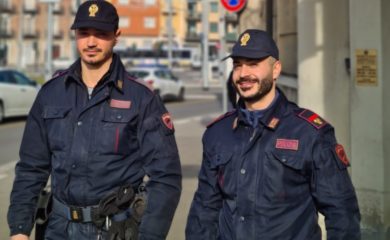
<point x="93" y="62"/>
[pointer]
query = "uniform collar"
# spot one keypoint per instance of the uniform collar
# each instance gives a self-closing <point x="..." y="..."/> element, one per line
<point x="114" y="74"/>
<point x="272" y="116"/>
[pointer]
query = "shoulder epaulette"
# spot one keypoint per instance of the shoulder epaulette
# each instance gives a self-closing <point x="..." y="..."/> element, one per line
<point x="312" y="118"/>
<point x="56" y="74"/>
<point x="59" y="73"/>
<point x="227" y="114"/>
<point x="139" y="81"/>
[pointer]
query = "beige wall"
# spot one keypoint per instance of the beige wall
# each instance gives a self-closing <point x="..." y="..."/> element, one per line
<point x="386" y="107"/>
<point x="323" y="46"/>
<point x="285" y="24"/>
<point x="178" y="20"/>
<point x="253" y="16"/>
<point x="370" y="127"/>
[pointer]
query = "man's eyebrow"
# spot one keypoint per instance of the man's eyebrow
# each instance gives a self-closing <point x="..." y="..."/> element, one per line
<point x="252" y="60"/>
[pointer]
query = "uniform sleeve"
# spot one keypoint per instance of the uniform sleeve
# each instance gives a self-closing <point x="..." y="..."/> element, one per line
<point x="332" y="189"/>
<point x="202" y="222"/>
<point x="31" y="173"/>
<point x="162" y="165"/>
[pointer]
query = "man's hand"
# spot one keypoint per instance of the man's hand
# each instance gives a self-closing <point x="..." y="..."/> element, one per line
<point x="20" y="237"/>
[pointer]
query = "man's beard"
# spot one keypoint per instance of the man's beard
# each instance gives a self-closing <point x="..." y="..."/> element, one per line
<point x="264" y="87"/>
<point x="99" y="62"/>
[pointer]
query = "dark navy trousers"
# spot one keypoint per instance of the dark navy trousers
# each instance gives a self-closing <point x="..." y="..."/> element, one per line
<point x="60" y="228"/>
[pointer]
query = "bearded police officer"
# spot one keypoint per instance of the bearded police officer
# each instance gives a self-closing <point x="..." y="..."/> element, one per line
<point x="270" y="166"/>
<point x="98" y="132"/>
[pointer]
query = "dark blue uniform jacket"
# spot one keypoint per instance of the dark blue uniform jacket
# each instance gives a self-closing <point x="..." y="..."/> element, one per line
<point x="270" y="182"/>
<point x="92" y="146"/>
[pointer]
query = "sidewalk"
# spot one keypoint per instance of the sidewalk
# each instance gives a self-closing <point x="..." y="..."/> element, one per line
<point x="188" y="137"/>
<point x="6" y="180"/>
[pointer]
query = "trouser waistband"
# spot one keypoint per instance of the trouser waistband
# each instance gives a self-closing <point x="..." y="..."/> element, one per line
<point x="73" y="213"/>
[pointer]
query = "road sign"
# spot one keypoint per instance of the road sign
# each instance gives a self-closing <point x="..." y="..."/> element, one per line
<point x="233" y="5"/>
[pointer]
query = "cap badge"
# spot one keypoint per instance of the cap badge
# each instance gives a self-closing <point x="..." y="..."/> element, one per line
<point x="244" y="39"/>
<point x="93" y="9"/>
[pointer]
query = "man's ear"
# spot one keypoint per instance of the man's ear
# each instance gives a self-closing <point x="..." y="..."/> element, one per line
<point x="277" y="69"/>
<point x="117" y="34"/>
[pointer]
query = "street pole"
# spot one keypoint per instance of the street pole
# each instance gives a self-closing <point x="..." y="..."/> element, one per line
<point x="49" y="60"/>
<point x="221" y="53"/>
<point x="20" y="38"/>
<point x="49" y="54"/>
<point x="75" y="52"/>
<point x="170" y="33"/>
<point x="205" y="41"/>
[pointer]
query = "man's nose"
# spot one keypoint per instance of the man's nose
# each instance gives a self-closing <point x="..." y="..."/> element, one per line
<point x="244" y="71"/>
<point x="91" y="41"/>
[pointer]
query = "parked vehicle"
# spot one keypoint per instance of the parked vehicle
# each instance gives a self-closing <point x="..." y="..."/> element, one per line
<point x="17" y="93"/>
<point x="161" y="80"/>
<point x="62" y="63"/>
<point x="181" y="57"/>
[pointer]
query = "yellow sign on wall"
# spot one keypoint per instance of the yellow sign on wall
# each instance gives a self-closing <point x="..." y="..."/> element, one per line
<point x="366" y="67"/>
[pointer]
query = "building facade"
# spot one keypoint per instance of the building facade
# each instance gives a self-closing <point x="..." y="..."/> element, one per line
<point x="144" y="23"/>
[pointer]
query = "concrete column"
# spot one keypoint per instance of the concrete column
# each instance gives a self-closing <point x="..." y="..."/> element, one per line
<point x="323" y="46"/>
<point x="286" y="35"/>
<point x="253" y="16"/>
<point x="370" y="114"/>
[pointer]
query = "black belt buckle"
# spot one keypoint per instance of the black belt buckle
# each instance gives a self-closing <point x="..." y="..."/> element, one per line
<point x="76" y="214"/>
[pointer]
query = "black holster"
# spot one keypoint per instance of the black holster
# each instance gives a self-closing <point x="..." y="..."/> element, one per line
<point x="124" y="209"/>
<point x="44" y="208"/>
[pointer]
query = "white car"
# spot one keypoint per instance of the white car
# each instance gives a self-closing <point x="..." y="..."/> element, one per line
<point x="17" y="94"/>
<point x="161" y="80"/>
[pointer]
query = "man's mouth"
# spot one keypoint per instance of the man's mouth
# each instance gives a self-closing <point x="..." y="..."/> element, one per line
<point x="91" y="51"/>
<point x="246" y="84"/>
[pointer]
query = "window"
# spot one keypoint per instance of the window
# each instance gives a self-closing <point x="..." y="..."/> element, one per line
<point x="20" y="79"/>
<point x="214" y="27"/>
<point x="123" y="2"/>
<point x="56" y="25"/>
<point x="74" y="6"/>
<point x="30" y="5"/>
<point x="124" y="22"/>
<point x="29" y="24"/>
<point x="214" y="7"/>
<point x="149" y="3"/>
<point x="162" y="74"/>
<point x="7" y="77"/>
<point x="2" y="78"/>
<point x="139" y="74"/>
<point x="149" y="22"/>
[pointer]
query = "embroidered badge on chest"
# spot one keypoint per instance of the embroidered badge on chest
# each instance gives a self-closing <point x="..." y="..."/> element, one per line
<point x="289" y="144"/>
<point x="120" y="104"/>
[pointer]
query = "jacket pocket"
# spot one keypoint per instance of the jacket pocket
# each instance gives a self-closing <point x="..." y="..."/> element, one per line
<point x="58" y="127"/>
<point x="116" y="132"/>
<point x="285" y="177"/>
<point x="222" y="164"/>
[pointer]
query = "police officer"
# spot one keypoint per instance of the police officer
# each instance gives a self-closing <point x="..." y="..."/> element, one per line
<point x="94" y="129"/>
<point x="270" y="166"/>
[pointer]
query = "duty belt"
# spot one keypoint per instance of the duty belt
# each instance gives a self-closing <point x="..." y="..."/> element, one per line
<point x="74" y="213"/>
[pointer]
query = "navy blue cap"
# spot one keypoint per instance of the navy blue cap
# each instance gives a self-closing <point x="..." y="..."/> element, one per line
<point x="100" y="15"/>
<point x="254" y="44"/>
